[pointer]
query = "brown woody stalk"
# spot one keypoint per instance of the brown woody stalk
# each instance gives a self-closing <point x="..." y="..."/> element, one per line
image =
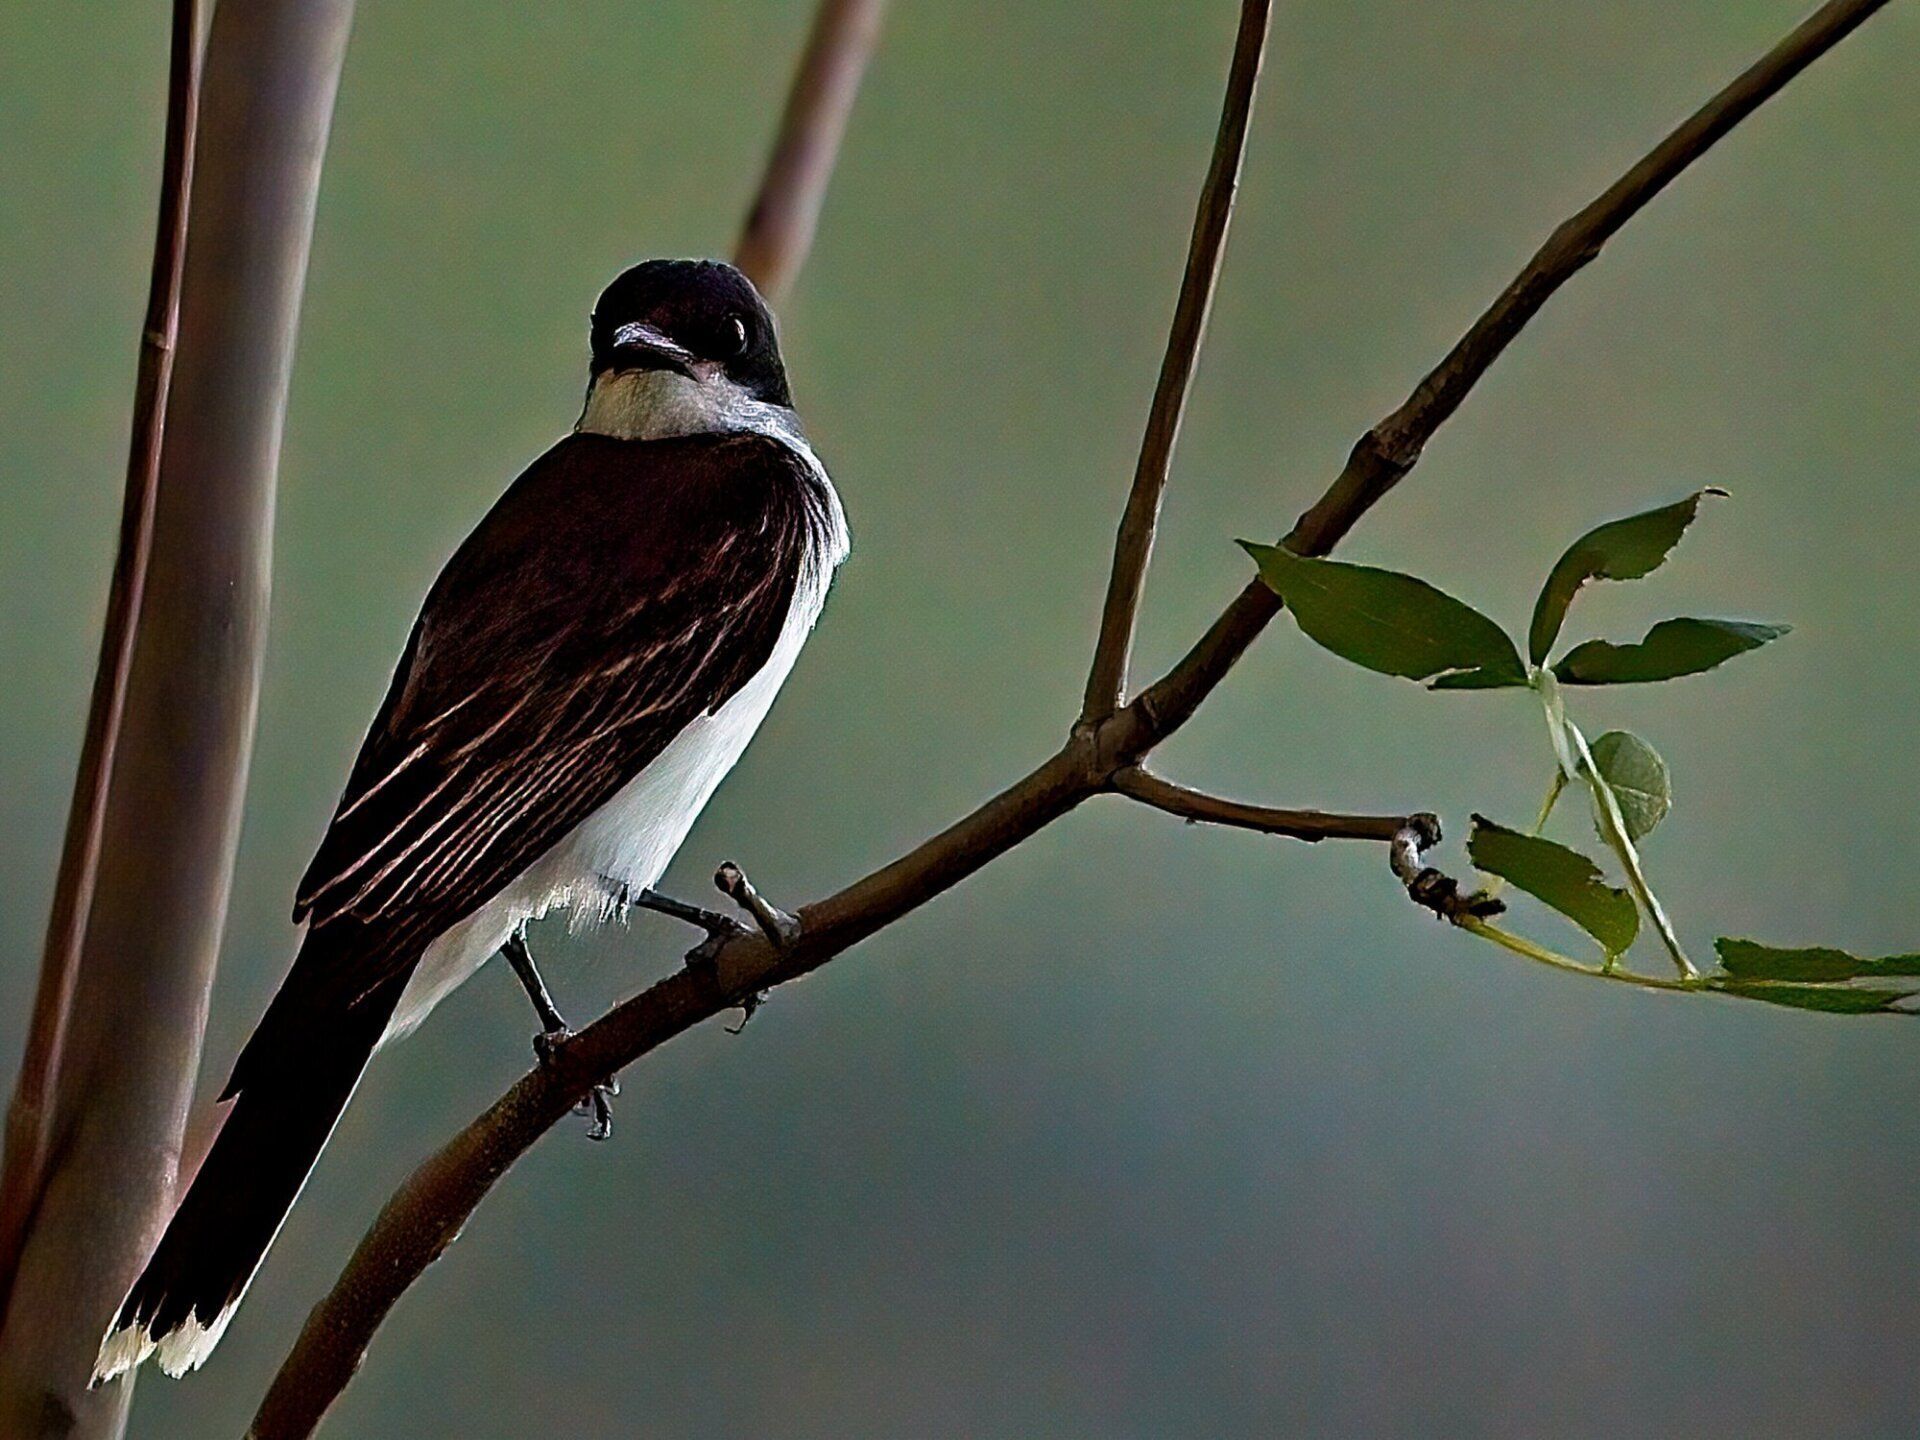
<point x="779" y="229"/>
<point x="30" y="1114"/>
<point x="169" y="819"/>
<point x="1133" y="546"/>
<point x="1198" y="808"/>
<point x="425" y="1215"/>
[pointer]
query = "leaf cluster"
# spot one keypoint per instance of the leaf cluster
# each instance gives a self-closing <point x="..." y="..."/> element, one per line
<point x="1398" y="624"/>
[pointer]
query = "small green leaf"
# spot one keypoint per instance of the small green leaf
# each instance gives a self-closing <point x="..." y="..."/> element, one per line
<point x="1619" y="550"/>
<point x="1671" y="649"/>
<point x="1390" y="622"/>
<point x="1834" y="999"/>
<point x="1562" y="878"/>
<point x="1638" y="777"/>
<point x="1750" y="960"/>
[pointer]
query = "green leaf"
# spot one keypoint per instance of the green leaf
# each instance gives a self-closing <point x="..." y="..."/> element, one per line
<point x="1834" y="999"/>
<point x="1750" y="960"/>
<point x="1562" y="878"/>
<point x="1638" y="777"/>
<point x="1390" y="622"/>
<point x="1619" y="550"/>
<point x="1671" y="649"/>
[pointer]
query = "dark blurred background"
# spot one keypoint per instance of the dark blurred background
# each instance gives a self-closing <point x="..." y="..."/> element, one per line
<point x="1147" y="1131"/>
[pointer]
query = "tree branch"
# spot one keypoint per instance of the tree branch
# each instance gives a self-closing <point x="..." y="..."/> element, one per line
<point x="429" y="1210"/>
<point x="779" y="229"/>
<point x="30" y="1115"/>
<point x="1133" y="548"/>
<point x="1196" y="807"/>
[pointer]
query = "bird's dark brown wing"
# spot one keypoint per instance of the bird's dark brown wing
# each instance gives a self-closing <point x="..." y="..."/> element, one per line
<point x="619" y="590"/>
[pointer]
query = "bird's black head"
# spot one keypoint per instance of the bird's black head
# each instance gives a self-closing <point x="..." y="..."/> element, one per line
<point x="698" y="318"/>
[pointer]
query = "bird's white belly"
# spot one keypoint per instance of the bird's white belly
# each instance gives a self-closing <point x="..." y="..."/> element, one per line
<point x="627" y="842"/>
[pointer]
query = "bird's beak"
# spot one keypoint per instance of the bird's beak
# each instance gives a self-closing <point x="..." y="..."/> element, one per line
<point x="637" y="346"/>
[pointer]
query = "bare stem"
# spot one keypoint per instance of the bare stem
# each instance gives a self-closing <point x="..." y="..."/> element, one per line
<point x="30" y="1115"/>
<point x="1133" y="548"/>
<point x="1195" y="806"/>
<point x="779" y="229"/>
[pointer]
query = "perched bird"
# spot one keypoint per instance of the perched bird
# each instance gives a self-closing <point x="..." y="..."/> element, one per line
<point x="584" y="672"/>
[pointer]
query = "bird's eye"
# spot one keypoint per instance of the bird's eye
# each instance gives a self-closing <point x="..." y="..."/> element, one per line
<point x="734" y="334"/>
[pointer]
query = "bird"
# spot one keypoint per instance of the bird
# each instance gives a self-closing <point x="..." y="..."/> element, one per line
<point x="583" y="673"/>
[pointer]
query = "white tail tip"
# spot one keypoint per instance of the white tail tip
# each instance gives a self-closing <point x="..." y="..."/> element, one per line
<point x="183" y="1348"/>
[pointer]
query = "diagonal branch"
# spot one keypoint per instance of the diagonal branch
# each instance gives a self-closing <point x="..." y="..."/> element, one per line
<point x="425" y="1215"/>
<point x="1196" y="807"/>
<point x="779" y="229"/>
<point x="1133" y="548"/>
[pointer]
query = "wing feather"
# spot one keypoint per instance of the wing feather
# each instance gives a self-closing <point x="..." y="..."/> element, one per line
<point x="618" y="591"/>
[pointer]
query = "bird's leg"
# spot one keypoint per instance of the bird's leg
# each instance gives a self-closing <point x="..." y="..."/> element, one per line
<point x="553" y="1024"/>
<point x="718" y="927"/>
<point x="554" y="1033"/>
<point x="778" y="926"/>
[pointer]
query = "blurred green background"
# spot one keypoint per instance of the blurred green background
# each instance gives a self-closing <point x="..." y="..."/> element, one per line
<point x="1147" y="1131"/>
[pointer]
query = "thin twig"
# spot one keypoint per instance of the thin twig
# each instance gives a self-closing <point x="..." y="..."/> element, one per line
<point x="1133" y="548"/>
<point x="779" y="229"/>
<point x="30" y="1115"/>
<point x="425" y="1215"/>
<point x="1196" y="806"/>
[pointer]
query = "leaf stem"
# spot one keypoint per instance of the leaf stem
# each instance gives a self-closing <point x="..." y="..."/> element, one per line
<point x="1567" y="739"/>
<point x="1546" y="806"/>
<point x="1520" y="945"/>
<point x="1613" y="829"/>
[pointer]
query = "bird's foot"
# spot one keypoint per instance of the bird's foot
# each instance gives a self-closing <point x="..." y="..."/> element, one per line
<point x="546" y="1045"/>
<point x="597" y="1102"/>
<point x="720" y="928"/>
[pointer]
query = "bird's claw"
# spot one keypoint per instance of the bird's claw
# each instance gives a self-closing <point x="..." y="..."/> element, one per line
<point x="547" y="1044"/>
<point x="706" y="954"/>
<point x="597" y="1102"/>
<point x="747" y="1006"/>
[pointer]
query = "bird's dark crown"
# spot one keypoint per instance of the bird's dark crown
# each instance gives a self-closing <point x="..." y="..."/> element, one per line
<point x="707" y="309"/>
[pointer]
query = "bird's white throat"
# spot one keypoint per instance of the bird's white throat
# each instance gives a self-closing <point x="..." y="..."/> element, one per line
<point x="659" y="404"/>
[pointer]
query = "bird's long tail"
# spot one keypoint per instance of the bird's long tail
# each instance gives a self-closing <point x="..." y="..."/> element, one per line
<point x="290" y="1091"/>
